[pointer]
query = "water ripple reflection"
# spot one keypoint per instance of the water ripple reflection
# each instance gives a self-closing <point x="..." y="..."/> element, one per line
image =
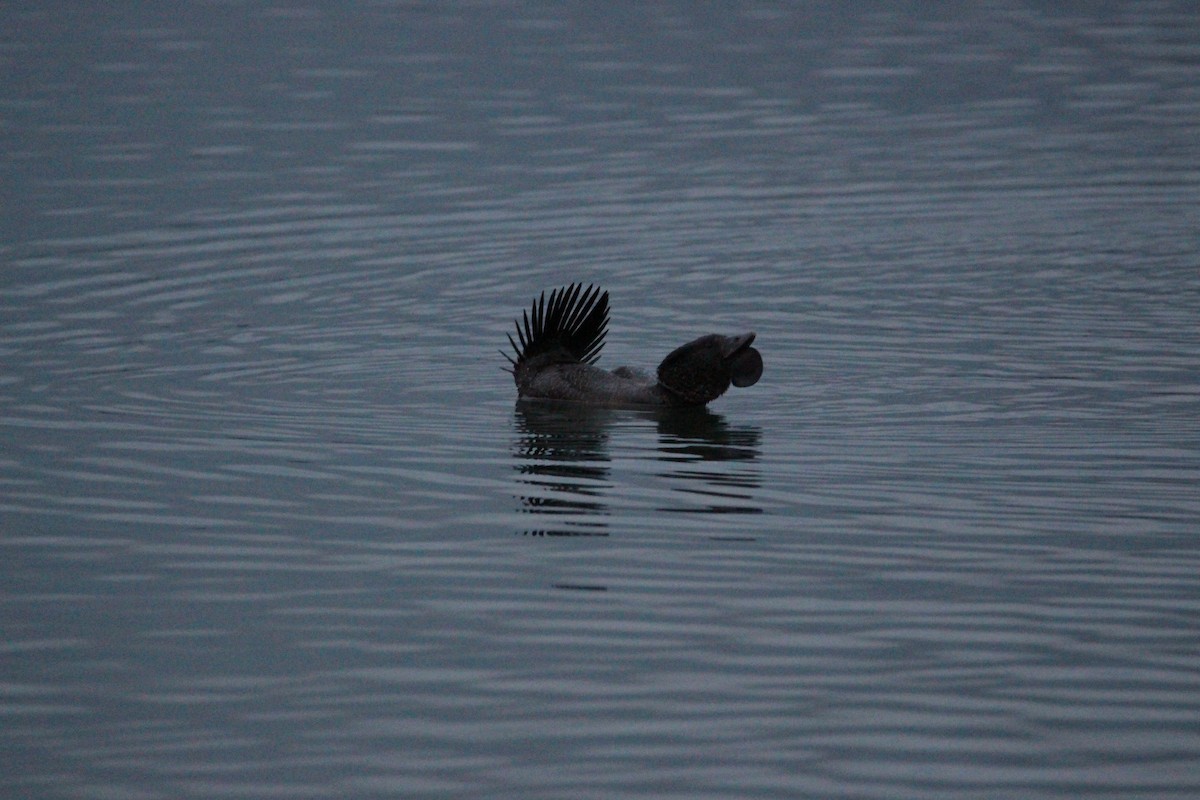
<point x="566" y="462"/>
<point x="272" y="525"/>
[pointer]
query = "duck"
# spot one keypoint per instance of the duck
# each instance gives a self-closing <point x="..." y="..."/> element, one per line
<point x="559" y="342"/>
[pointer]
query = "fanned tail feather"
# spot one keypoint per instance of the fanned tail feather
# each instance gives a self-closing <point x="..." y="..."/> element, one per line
<point x="570" y="326"/>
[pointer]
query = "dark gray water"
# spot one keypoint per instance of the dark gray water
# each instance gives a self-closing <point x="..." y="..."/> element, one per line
<point x="272" y="526"/>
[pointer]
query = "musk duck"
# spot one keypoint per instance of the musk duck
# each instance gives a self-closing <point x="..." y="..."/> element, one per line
<point x="559" y="341"/>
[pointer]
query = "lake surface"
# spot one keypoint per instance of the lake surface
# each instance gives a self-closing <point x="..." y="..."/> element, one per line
<point x="272" y="524"/>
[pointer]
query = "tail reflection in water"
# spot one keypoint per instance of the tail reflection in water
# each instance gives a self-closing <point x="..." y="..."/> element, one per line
<point x="697" y="464"/>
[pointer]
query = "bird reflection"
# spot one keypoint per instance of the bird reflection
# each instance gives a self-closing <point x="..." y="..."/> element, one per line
<point x="564" y="466"/>
<point x="561" y="458"/>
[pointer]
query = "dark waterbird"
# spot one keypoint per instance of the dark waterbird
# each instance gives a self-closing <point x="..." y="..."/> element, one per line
<point x="560" y="338"/>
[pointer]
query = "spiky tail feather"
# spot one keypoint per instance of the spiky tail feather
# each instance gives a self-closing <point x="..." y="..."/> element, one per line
<point x="571" y="325"/>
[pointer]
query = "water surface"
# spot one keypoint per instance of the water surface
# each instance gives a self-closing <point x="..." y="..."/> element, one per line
<point x="272" y="524"/>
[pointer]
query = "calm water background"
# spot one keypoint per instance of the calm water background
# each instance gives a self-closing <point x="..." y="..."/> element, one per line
<point x="272" y="527"/>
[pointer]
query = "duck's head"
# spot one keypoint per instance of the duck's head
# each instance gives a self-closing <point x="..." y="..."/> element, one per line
<point x="701" y="370"/>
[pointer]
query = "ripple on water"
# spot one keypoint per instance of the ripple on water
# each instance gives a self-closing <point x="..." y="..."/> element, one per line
<point x="272" y="524"/>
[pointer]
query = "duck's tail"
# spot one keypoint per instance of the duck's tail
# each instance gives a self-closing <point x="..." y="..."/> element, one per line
<point x="570" y="326"/>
